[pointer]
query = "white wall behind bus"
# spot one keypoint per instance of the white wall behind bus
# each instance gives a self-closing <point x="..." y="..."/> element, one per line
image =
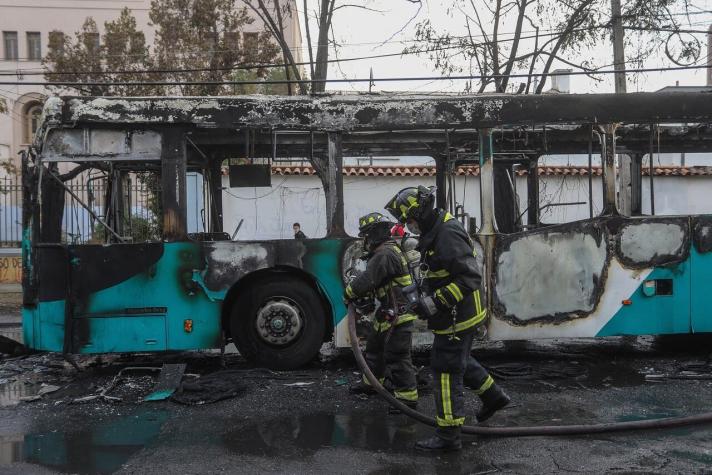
<point x="268" y="213"/>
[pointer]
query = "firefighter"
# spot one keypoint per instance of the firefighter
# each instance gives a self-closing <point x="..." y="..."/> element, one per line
<point x="451" y="303"/>
<point x="389" y="343"/>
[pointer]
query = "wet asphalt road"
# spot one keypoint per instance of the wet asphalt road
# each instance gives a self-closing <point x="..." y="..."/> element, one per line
<point x="316" y="426"/>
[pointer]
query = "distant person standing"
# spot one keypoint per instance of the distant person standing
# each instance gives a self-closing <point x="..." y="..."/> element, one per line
<point x="298" y="234"/>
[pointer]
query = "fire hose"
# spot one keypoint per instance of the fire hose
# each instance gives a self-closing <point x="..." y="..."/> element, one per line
<point x="517" y="431"/>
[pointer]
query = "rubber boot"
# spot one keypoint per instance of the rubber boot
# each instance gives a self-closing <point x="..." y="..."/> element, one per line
<point x="446" y="439"/>
<point x="411" y="404"/>
<point x="493" y="400"/>
<point x="362" y="388"/>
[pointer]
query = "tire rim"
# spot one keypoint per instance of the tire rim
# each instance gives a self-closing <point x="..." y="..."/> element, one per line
<point x="279" y="321"/>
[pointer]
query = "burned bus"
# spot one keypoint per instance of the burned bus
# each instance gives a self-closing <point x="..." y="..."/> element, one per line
<point x="617" y="272"/>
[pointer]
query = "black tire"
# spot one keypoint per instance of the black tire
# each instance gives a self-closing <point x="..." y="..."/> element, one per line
<point x="308" y="340"/>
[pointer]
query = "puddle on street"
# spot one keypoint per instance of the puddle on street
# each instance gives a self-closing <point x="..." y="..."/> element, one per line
<point x="552" y="375"/>
<point x="373" y="431"/>
<point x="299" y="436"/>
<point x="99" y="448"/>
<point x="10" y="393"/>
<point x="604" y="375"/>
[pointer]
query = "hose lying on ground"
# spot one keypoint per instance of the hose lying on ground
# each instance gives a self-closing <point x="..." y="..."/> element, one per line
<point x="577" y="429"/>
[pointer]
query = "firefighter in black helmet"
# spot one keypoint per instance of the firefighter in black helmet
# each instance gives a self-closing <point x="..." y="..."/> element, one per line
<point x="452" y="305"/>
<point x="389" y="343"/>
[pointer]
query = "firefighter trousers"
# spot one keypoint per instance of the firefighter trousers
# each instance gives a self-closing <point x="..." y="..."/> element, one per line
<point x="454" y="367"/>
<point x="395" y="356"/>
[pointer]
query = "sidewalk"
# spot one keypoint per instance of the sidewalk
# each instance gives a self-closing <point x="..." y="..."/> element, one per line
<point x="10" y="305"/>
<point x="10" y="288"/>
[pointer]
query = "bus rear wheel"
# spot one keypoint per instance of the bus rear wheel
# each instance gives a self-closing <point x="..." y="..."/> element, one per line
<point x="279" y="323"/>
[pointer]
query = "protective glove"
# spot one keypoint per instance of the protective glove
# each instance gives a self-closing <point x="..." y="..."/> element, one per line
<point x="426" y="308"/>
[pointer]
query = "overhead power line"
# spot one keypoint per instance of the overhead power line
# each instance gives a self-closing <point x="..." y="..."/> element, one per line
<point x="345" y="80"/>
<point x="340" y="60"/>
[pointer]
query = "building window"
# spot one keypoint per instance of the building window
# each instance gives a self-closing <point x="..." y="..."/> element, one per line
<point x="34" y="46"/>
<point x="32" y="115"/>
<point x="10" y="42"/>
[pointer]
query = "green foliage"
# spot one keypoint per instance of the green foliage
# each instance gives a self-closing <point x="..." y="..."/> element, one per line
<point x="139" y="229"/>
<point x="152" y="182"/>
<point x="87" y="58"/>
<point x="274" y="74"/>
<point x="190" y="34"/>
<point x="206" y="34"/>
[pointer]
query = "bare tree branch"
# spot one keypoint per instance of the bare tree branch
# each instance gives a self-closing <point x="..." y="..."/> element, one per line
<point x="309" y="42"/>
<point x="362" y="7"/>
<point x="264" y="14"/>
<point x="515" y="44"/>
<point x="407" y="24"/>
<point x="574" y="21"/>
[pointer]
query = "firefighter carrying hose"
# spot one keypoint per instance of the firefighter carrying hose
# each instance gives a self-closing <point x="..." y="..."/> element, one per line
<point x="450" y="301"/>
<point x="389" y="343"/>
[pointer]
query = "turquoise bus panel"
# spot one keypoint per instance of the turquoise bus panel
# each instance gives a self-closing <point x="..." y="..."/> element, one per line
<point x="184" y="282"/>
<point x="30" y="320"/>
<point x="656" y="314"/>
<point x="324" y="262"/>
<point x="50" y="329"/>
<point x="43" y="326"/>
<point x="701" y="294"/>
<point x="118" y="334"/>
<point x="168" y="285"/>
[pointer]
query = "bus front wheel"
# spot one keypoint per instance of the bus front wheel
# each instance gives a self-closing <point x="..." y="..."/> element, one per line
<point x="279" y="323"/>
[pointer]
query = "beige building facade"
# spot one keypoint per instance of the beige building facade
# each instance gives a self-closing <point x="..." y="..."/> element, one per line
<point x="25" y="26"/>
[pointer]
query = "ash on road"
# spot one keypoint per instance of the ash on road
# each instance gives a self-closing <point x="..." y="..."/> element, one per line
<point x="307" y="422"/>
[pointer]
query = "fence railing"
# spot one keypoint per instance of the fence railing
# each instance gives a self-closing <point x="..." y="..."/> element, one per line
<point x="10" y="211"/>
<point x="78" y="224"/>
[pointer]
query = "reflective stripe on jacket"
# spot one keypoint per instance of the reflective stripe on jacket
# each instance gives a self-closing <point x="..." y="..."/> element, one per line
<point x="386" y="273"/>
<point x="452" y="276"/>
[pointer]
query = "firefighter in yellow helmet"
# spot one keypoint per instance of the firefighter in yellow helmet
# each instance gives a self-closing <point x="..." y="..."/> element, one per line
<point x="452" y="305"/>
<point x="389" y="343"/>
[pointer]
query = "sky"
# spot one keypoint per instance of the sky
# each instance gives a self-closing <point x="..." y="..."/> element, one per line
<point x="363" y="33"/>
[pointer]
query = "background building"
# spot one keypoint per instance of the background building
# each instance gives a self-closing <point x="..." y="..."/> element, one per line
<point x="25" y="26"/>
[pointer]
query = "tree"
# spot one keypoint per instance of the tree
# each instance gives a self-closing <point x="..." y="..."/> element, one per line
<point x="206" y="34"/>
<point x="274" y="74"/>
<point x="86" y="58"/>
<point x="122" y="55"/>
<point x="568" y="30"/>
<point x="273" y="13"/>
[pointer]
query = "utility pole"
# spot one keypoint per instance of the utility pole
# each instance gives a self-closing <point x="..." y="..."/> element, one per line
<point x="618" y="52"/>
<point x="625" y="182"/>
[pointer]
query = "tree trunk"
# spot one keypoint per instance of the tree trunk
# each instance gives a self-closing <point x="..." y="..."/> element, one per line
<point x="329" y="169"/>
<point x="322" y="47"/>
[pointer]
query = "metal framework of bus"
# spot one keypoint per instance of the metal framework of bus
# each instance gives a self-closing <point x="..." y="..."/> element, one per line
<point x="607" y="275"/>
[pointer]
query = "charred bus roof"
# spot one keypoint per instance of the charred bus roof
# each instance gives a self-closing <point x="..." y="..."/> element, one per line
<point x="393" y="124"/>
